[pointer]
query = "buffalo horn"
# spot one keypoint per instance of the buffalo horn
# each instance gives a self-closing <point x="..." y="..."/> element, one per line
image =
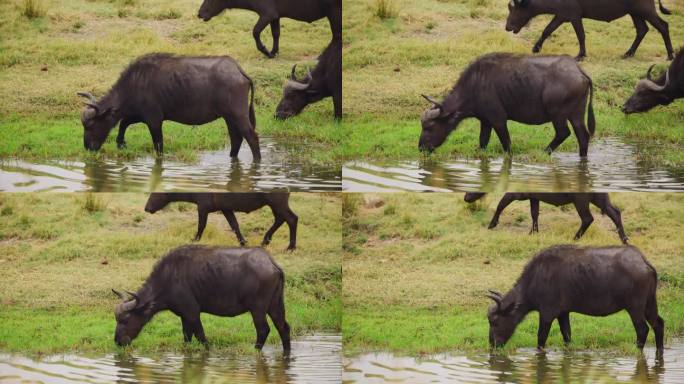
<point x="496" y="298"/>
<point x="121" y="296"/>
<point x="433" y="101"/>
<point x="648" y="83"/>
<point x="292" y="74"/>
<point x="296" y="85"/>
<point x="88" y="96"/>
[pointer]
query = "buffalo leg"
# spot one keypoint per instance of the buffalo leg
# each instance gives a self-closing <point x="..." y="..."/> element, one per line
<point x="232" y="221"/>
<point x="586" y="217"/>
<point x="641" y="30"/>
<point x="604" y="205"/>
<point x="553" y="25"/>
<point x="235" y="139"/>
<point x="543" y="331"/>
<point x="505" y="139"/>
<point x="337" y="103"/>
<point x="201" y="222"/>
<point x="157" y="137"/>
<point x="197" y="329"/>
<point x="639" y="322"/>
<point x="252" y="139"/>
<point x="581" y="132"/>
<point x="534" y="213"/>
<point x="485" y="134"/>
<point x="505" y="201"/>
<point x="661" y="26"/>
<point x="291" y="219"/>
<point x="277" y="314"/>
<point x="279" y="220"/>
<point x="656" y="322"/>
<point x="262" y="328"/>
<point x="579" y="31"/>
<point x="564" y="323"/>
<point x="187" y="330"/>
<point x="120" y="138"/>
<point x="275" y="32"/>
<point x="562" y="133"/>
<point x="256" y="32"/>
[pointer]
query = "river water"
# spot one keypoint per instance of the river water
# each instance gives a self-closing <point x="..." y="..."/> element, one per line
<point x="522" y="366"/>
<point x="610" y="166"/>
<point x="314" y="359"/>
<point x="214" y="170"/>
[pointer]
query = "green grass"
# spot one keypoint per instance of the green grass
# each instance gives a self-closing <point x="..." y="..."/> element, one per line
<point x="417" y="267"/>
<point x="59" y="268"/>
<point x="83" y="45"/>
<point x="389" y="62"/>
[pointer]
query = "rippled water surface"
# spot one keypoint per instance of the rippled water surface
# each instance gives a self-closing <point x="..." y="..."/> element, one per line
<point x="523" y="366"/>
<point x="611" y="166"/>
<point x="314" y="359"/>
<point x="214" y="170"/>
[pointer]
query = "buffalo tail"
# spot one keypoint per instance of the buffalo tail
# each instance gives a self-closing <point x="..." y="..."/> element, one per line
<point x="664" y="10"/>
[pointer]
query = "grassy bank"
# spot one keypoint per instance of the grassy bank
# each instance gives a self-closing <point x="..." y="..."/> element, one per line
<point x="421" y="47"/>
<point x="62" y="253"/>
<point x="417" y="266"/>
<point x="49" y="54"/>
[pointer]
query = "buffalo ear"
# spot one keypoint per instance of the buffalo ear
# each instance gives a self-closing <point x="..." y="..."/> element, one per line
<point x="505" y="310"/>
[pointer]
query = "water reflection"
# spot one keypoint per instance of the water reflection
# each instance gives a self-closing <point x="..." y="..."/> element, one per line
<point x="214" y="170"/>
<point x="314" y="359"/>
<point x="611" y="166"/>
<point x="523" y="366"/>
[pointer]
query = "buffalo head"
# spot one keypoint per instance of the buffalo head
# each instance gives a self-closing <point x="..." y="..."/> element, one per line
<point x="155" y="202"/>
<point x="131" y="315"/>
<point x="211" y="8"/>
<point x="503" y="319"/>
<point x="648" y="94"/>
<point x="519" y="14"/>
<point x="297" y="94"/>
<point x="97" y="122"/>
<point x="437" y="124"/>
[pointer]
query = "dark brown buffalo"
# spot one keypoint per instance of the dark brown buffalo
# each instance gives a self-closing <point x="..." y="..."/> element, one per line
<point x="227" y="203"/>
<point x="581" y="202"/>
<point x="193" y="279"/>
<point x="591" y="281"/>
<point x="191" y="90"/>
<point x="499" y="87"/>
<point x="324" y="81"/>
<point x="662" y="91"/>
<point x="270" y="12"/>
<point x="573" y="11"/>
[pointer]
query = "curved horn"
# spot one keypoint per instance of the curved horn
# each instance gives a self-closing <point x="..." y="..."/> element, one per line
<point x="433" y="101"/>
<point x="652" y="85"/>
<point x="88" y="96"/>
<point x="121" y="296"/>
<point x="292" y="74"/>
<point x="648" y="73"/>
<point x="296" y="85"/>
<point x="308" y="75"/>
<point x="496" y="298"/>
<point x="133" y="295"/>
<point x="495" y="293"/>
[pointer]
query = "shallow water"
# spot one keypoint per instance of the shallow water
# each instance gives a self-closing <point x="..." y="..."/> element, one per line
<point x="314" y="359"/>
<point x="611" y="166"/>
<point x="214" y="170"/>
<point x="523" y="366"/>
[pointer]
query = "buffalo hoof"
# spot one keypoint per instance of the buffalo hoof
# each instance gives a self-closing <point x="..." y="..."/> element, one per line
<point x="243" y="243"/>
<point x="291" y="248"/>
<point x="536" y="49"/>
<point x="628" y="55"/>
<point x="580" y="57"/>
<point x="121" y="145"/>
<point x="670" y="57"/>
<point x="492" y="225"/>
